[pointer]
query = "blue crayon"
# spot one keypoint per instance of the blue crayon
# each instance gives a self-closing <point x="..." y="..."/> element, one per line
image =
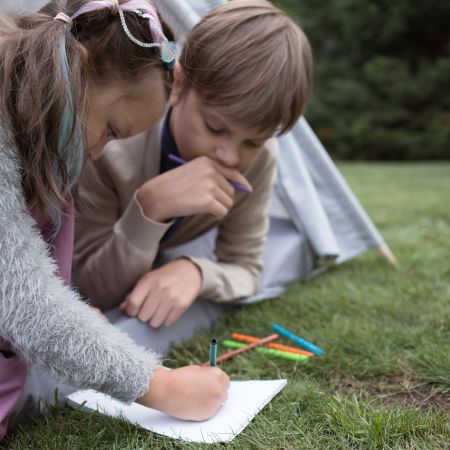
<point x="298" y="340"/>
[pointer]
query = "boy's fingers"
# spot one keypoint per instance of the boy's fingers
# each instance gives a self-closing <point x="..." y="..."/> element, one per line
<point x="223" y="197"/>
<point x="229" y="173"/>
<point x="131" y="310"/>
<point x="224" y="184"/>
<point x="148" y="308"/>
<point x="160" y="315"/>
<point x="218" y="210"/>
<point x="173" y="316"/>
<point x="234" y="175"/>
<point x="135" y="298"/>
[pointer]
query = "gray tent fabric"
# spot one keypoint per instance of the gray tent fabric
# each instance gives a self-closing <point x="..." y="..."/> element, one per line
<point x="315" y="219"/>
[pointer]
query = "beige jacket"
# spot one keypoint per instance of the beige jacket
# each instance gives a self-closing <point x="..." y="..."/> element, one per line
<point x="115" y="244"/>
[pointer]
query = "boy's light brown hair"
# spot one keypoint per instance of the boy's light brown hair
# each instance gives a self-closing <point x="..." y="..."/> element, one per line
<point x="252" y="61"/>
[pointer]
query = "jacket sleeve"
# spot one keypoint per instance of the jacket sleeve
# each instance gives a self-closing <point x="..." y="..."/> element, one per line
<point x="45" y="321"/>
<point x="113" y="249"/>
<point x="241" y="237"/>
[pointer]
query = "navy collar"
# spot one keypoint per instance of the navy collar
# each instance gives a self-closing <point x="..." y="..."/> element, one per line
<point x="168" y="146"/>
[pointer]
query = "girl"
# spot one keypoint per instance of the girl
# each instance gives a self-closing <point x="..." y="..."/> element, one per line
<point x="72" y="77"/>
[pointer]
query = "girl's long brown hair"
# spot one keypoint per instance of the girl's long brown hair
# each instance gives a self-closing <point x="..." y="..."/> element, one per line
<point x="33" y="90"/>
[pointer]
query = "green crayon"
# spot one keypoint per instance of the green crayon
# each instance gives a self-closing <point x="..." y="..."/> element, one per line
<point x="268" y="351"/>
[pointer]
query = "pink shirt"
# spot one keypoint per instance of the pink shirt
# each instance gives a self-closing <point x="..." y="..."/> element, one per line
<point x="13" y="369"/>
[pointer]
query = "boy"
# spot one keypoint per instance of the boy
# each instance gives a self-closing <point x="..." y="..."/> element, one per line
<point x="243" y="77"/>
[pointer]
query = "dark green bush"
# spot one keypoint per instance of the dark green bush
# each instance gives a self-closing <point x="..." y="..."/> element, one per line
<point x="382" y="76"/>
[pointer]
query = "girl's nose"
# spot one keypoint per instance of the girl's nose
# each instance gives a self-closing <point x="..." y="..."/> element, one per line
<point x="228" y="156"/>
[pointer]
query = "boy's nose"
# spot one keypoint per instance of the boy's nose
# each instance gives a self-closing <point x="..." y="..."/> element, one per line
<point x="228" y="156"/>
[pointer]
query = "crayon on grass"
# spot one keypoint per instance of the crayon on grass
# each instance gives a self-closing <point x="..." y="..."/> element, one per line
<point x="298" y="340"/>
<point x="269" y="351"/>
<point x="284" y="348"/>
<point x="238" y="186"/>
<point x="244" y="348"/>
<point x="213" y="353"/>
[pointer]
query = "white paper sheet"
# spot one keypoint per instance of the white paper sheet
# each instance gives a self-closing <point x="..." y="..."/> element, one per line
<point x="245" y="400"/>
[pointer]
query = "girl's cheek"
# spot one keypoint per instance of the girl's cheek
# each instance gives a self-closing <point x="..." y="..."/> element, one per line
<point x="94" y="147"/>
<point x="96" y="151"/>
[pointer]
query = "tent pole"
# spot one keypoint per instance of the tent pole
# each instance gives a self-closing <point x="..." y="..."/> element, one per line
<point x="386" y="252"/>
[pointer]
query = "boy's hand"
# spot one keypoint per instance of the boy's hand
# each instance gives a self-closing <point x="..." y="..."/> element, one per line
<point x="202" y="186"/>
<point x="188" y="393"/>
<point x="161" y="296"/>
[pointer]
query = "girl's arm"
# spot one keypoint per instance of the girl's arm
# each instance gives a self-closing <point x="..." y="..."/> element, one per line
<point x="45" y="321"/>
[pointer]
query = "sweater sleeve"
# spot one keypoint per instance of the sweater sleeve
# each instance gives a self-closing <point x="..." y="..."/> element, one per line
<point x="112" y="248"/>
<point x="45" y="321"/>
<point x="241" y="237"/>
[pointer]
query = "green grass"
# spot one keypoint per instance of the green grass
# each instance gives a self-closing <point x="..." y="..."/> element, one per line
<point x="385" y="380"/>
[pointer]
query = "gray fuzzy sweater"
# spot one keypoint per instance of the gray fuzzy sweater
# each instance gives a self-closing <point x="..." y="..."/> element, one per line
<point x="46" y="322"/>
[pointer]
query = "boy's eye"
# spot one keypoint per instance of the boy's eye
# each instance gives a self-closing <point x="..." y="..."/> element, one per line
<point x="253" y="144"/>
<point x="213" y="129"/>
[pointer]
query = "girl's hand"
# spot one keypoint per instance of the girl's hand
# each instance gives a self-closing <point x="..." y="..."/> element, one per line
<point x="188" y="393"/>
<point x="200" y="186"/>
<point x="161" y="296"/>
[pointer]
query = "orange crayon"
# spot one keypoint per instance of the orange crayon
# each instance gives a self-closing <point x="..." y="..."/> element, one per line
<point x="284" y="348"/>
<point x="233" y="353"/>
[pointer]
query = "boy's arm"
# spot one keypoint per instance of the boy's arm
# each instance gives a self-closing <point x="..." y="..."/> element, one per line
<point x="241" y="237"/>
<point x="113" y="248"/>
